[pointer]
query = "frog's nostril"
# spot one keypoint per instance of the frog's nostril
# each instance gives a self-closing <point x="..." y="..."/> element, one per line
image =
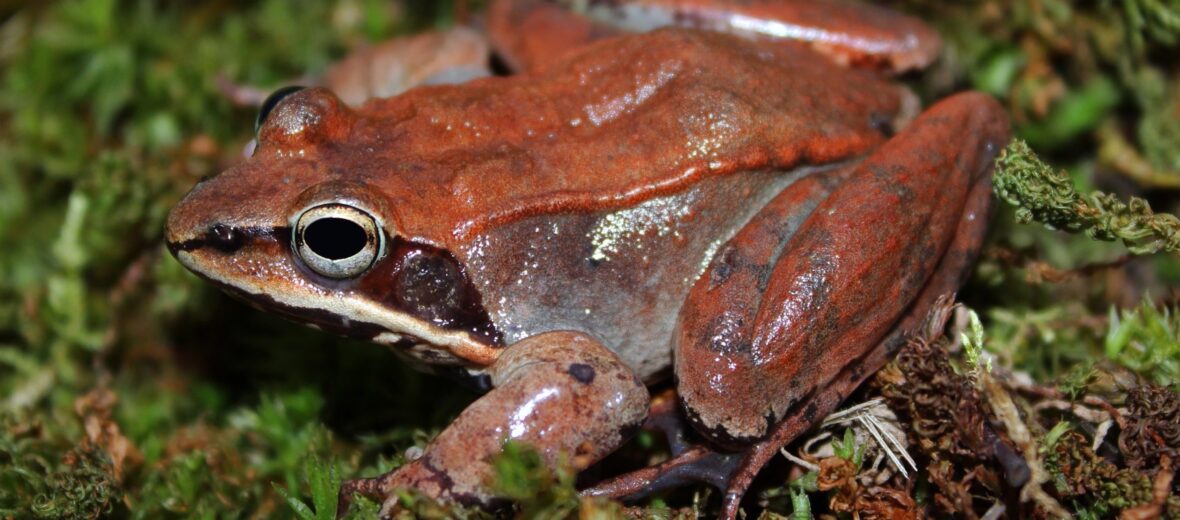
<point x="224" y="238"/>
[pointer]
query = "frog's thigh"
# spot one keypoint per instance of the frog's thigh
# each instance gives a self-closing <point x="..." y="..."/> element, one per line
<point x="562" y="392"/>
<point x="766" y="328"/>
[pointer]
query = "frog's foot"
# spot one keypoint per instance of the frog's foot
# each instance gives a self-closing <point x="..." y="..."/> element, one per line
<point x="696" y="464"/>
<point x="367" y="487"/>
<point x="563" y="393"/>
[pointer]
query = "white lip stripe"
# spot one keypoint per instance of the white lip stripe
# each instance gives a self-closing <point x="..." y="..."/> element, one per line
<point x="351" y="307"/>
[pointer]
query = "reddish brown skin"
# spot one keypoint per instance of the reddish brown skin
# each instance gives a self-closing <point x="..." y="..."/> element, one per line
<point x="450" y="184"/>
<point x="820" y="309"/>
<point x="933" y="140"/>
<point x="802" y="301"/>
<point x="532" y="34"/>
<point x="559" y="387"/>
<point x="396" y="65"/>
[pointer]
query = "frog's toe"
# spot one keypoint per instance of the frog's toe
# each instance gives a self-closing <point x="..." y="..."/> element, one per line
<point x="366" y="487"/>
<point x="696" y="465"/>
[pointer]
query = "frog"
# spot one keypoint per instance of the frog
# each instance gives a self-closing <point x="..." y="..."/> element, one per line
<point x="735" y="199"/>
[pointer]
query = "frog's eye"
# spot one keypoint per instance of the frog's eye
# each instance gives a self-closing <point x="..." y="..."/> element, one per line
<point x="271" y="102"/>
<point x="336" y="240"/>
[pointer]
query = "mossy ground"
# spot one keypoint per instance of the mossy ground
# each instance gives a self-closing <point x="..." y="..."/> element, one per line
<point x="131" y="389"/>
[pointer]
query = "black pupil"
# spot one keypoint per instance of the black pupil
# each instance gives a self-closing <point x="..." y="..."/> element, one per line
<point x="335" y="238"/>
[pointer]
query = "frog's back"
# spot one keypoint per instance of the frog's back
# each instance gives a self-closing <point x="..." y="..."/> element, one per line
<point x="618" y="123"/>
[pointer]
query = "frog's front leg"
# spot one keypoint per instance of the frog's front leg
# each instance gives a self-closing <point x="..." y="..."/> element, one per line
<point x="561" y="392"/>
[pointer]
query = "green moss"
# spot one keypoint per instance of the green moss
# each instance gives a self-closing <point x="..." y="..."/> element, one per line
<point x="110" y="110"/>
<point x="1145" y="340"/>
<point x="43" y="477"/>
<point x="1097" y="488"/>
<point x="1047" y="196"/>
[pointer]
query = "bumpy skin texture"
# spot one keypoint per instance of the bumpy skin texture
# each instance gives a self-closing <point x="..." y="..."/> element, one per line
<point x="559" y="233"/>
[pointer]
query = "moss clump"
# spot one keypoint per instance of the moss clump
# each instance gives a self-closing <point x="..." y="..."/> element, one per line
<point x="1044" y="195"/>
<point x="1146" y="340"/>
<point x="1152" y="427"/>
<point x="950" y="422"/>
<point x="111" y="109"/>
<point x="1097" y="487"/>
<point x="39" y="481"/>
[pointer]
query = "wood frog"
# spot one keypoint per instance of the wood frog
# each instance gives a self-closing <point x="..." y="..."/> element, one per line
<point x="747" y="204"/>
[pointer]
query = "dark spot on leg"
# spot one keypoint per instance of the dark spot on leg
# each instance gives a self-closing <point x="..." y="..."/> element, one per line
<point x="810" y="411"/>
<point x="720" y="274"/>
<point x="724" y="265"/>
<point x="764" y="273"/>
<point x="856" y="367"/>
<point x="440" y="478"/>
<point x="446" y="485"/>
<point x="582" y="372"/>
<point x="894" y="343"/>
<point x="498" y="66"/>
<point x="882" y="123"/>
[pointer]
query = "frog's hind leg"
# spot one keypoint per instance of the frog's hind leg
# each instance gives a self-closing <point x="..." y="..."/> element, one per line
<point x="784" y="325"/>
<point x="856" y="279"/>
<point x="775" y="325"/>
<point x="764" y="236"/>
<point x="953" y="269"/>
<point x="533" y="33"/>
<point x="448" y="56"/>
<point x="386" y="69"/>
<point x="561" y="392"/>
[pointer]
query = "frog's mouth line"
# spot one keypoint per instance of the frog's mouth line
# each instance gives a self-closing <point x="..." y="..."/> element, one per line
<point x="226" y="239"/>
<point x="343" y="311"/>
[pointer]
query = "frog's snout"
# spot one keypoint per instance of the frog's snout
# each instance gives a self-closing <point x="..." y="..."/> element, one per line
<point x="176" y="232"/>
<point x="188" y="229"/>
